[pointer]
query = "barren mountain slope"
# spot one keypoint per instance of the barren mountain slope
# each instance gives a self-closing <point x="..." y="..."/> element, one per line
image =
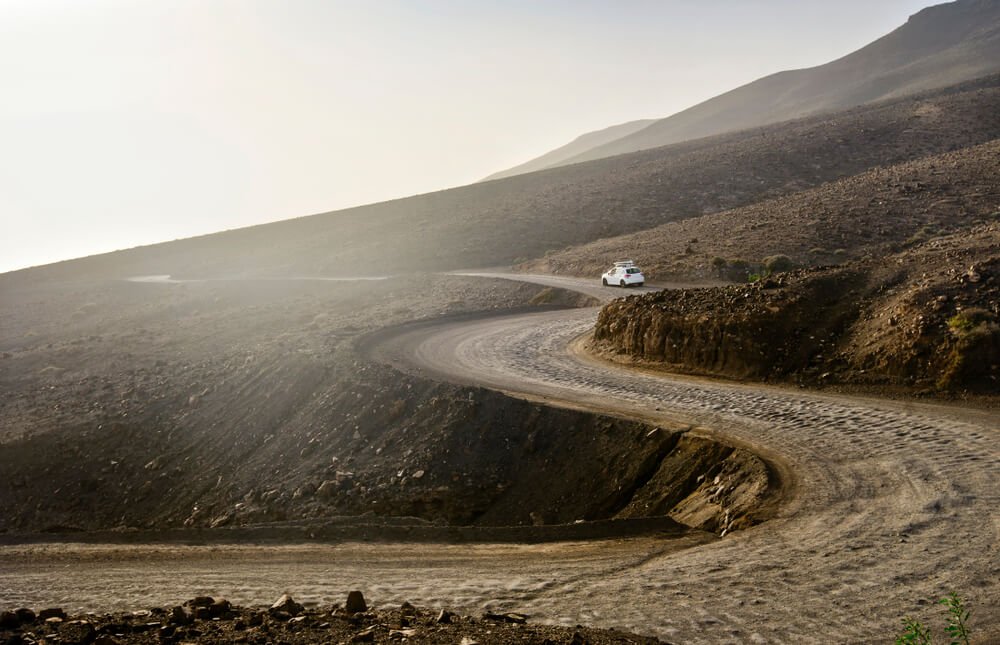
<point x="578" y="146"/>
<point x="938" y="46"/>
<point x="869" y="214"/>
<point x="497" y="222"/>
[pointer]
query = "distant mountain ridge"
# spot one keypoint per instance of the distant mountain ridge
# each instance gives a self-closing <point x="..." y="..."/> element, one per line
<point x="938" y="46"/>
<point x="578" y="146"/>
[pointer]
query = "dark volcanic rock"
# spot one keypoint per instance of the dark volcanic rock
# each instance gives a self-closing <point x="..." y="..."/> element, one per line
<point x="25" y="615"/>
<point x="52" y="612"/>
<point x="355" y="603"/>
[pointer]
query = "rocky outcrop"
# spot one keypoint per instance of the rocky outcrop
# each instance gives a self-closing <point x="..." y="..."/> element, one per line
<point x="926" y="318"/>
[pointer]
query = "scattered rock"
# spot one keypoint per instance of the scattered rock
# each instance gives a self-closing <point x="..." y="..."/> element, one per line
<point x="200" y="601"/>
<point x="181" y="616"/>
<point x="355" y="603"/>
<point x="509" y="617"/>
<point x="52" y="612"/>
<point x="220" y="607"/>
<point x="286" y="604"/>
<point x="253" y="626"/>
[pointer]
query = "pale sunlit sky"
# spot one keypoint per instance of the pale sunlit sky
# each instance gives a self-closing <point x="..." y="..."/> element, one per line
<point x="127" y="122"/>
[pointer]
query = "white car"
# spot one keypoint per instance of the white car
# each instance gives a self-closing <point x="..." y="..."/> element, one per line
<point x="623" y="274"/>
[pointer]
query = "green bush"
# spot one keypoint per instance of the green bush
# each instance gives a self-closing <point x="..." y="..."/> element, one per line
<point x="956" y="628"/>
<point x="778" y="263"/>
<point x="975" y="351"/>
<point x="966" y="320"/>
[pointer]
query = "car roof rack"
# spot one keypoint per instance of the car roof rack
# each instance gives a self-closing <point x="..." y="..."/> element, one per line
<point x="625" y="263"/>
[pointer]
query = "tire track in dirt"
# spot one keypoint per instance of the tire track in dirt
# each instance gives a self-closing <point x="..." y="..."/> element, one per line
<point x="894" y="505"/>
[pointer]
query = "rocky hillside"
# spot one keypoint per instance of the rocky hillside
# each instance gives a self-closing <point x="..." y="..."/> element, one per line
<point x="924" y="319"/>
<point x="876" y="212"/>
<point x="498" y="222"/>
<point x="936" y="47"/>
<point x="227" y="404"/>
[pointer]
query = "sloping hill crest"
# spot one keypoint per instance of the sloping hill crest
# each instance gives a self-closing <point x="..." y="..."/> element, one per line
<point x="938" y="46"/>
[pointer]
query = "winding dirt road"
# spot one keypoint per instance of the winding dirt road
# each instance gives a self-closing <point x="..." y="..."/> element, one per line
<point x="889" y="505"/>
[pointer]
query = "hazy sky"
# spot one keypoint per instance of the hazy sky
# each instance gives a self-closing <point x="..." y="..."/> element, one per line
<point x="131" y="122"/>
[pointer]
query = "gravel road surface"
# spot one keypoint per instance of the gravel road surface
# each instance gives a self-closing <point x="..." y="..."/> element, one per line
<point x="890" y="504"/>
<point x="887" y="507"/>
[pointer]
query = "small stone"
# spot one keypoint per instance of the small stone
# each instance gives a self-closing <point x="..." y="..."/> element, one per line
<point x="327" y="489"/>
<point x="287" y="604"/>
<point x="365" y="636"/>
<point x="509" y="617"/>
<point x="52" y="612"/>
<point x="355" y="603"/>
<point x="105" y="639"/>
<point x="407" y="609"/>
<point x="9" y="620"/>
<point x="167" y="632"/>
<point x="280" y="615"/>
<point x="76" y="632"/>
<point x="145" y="627"/>
<point x="220" y="607"/>
<point x="25" y="615"/>
<point x="444" y="618"/>
<point x="578" y="639"/>
<point x="200" y="601"/>
<point x="399" y="634"/>
<point x="256" y="620"/>
<point x="468" y="641"/>
<point x="181" y="616"/>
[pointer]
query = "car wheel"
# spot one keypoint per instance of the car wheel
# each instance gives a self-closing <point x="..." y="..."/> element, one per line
<point x="604" y="281"/>
<point x="622" y="284"/>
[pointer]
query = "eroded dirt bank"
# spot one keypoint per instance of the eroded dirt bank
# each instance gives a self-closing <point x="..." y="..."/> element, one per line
<point x="924" y="320"/>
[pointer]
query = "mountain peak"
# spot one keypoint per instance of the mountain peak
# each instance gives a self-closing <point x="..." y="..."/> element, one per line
<point x="938" y="46"/>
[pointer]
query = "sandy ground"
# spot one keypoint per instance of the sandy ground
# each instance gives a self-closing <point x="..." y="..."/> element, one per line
<point x="469" y="578"/>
